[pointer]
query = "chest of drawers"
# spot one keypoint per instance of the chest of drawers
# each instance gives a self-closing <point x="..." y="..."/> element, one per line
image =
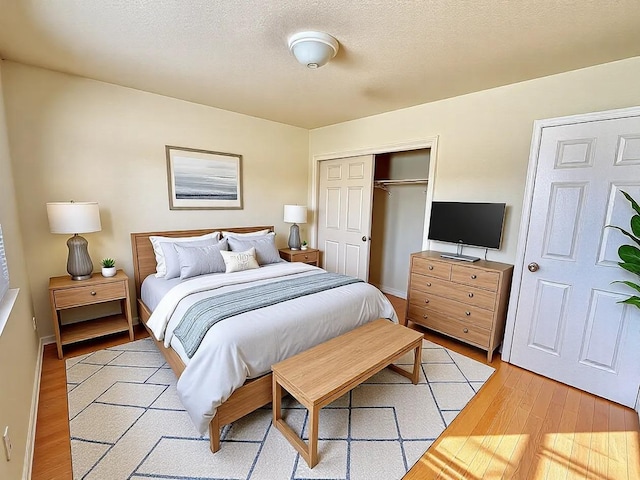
<point x="466" y="301"/>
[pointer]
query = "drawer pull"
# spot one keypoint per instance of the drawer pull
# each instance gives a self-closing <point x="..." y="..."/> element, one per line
<point x="471" y="295"/>
<point x="473" y="277"/>
<point x="93" y="294"/>
<point x="306" y="257"/>
<point x="426" y="300"/>
<point x="465" y="330"/>
<point x="467" y="313"/>
<point x="424" y="316"/>
<point x="430" y="267"/>
<point x="428" y="284"/>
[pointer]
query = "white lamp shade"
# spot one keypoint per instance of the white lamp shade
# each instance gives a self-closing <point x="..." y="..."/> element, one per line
<point x="73" y="217"/>
<point x="295" y="214"/>
<point x="313" y="49"/>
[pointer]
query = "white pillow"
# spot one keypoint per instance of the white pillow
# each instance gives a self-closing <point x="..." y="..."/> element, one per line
<point x="250" y="234"/>
<point x="161" y="268"/>
<point x="239" y="261"/>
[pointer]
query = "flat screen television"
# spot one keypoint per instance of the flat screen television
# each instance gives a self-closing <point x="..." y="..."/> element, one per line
<point x="467" y="223"/>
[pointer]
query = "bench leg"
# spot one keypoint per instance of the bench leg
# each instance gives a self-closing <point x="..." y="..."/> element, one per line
<point x="314" y="413"/>
<point x="214" y="434"/>
<point x="417" y="364"/>
<point x="308" y="451"/>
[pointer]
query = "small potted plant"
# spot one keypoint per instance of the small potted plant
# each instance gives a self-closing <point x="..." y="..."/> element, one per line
<point x="108" y="267"/>
<point x="304" y="245"/>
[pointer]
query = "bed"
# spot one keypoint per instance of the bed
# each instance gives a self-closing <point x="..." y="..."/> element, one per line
<point x="250" y="383"/>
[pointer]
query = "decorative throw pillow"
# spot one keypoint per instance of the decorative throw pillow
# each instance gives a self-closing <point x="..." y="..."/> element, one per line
<point x="196" y="261"/>
<point x="265" y="245"/>
<point x="239" y="261"/>
<point x="171" y="260"/>
<point x="161" y="268"/>
<point x="250" y="234"/>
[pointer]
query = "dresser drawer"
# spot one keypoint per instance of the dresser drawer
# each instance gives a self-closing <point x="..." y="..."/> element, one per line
<point x="464" y="331"/>
<point x="71" y="297"/>
<point x="305" y="257"/>
<point x="475" y="277"/>
<point x="455" y="291"/>
<point x="467" y="313"/>
<point x="426" y="266"/>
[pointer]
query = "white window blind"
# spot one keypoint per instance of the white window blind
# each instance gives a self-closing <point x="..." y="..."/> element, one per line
<point x="4" y="270"/>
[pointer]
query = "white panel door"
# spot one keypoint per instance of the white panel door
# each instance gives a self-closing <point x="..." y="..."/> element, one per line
<point x="344" y="215"/>
<point x="569" y="323"/>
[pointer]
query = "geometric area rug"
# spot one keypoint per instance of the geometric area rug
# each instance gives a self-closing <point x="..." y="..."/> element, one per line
<point x="127" y="422"/>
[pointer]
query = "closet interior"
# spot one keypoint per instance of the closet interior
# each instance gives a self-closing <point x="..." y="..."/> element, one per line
<point x="398" y="213"/>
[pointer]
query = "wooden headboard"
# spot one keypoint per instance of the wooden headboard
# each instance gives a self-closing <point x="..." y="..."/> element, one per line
<point x="144" y="260"/>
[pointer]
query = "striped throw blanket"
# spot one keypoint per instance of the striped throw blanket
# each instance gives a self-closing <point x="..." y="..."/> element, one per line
<point x="202" y="315"/>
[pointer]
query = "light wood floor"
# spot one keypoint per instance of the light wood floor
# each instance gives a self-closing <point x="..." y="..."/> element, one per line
<point x="520" y="425"/>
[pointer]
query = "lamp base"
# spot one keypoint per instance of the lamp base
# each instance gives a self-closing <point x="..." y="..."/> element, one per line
<point x="79" y="264"/>
<point x="294" y="237"/>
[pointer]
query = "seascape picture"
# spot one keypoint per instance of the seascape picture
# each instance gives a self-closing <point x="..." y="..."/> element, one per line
<point x="201" y="179"/>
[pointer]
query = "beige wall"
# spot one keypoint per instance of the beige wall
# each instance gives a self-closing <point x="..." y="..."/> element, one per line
<point x="484" y="138"/>
<point x="18" y="343"/>
<point x="73" y="138"/>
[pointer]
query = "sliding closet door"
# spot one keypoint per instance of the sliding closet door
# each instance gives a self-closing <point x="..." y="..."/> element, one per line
<point x="344" y="215"/>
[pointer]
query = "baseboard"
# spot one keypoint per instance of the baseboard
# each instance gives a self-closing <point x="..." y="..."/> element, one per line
<point x="393" y="291"/>
<point x="33" y="417"/>
<point x="48" y="340"/>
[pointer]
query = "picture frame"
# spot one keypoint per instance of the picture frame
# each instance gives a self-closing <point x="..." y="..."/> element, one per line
<point x="203" y="179"/>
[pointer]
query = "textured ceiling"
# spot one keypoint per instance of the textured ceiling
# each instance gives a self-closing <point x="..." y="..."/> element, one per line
<point x="233" y="54"/>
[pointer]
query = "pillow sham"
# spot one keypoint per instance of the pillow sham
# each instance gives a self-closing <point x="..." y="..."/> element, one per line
<point x="171" y="260"/>
<point x="200" y="260"/>
<point x="155" y="240"/>
<point x="265" y="245"/>
<point x="250" y="234"/>
<point x="239" y="261"/>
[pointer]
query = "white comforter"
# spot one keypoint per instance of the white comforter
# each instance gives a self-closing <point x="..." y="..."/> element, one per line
<point x="246" y="345"/>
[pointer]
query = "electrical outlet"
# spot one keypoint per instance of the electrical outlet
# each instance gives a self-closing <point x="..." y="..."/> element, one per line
<point x="7" y="443"/>
<point x="35" y="325"/>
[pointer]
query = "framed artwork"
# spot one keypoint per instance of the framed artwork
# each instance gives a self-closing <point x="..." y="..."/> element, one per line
<point x="200" y="179"/>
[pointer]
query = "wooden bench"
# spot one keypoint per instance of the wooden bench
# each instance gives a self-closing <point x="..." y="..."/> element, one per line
<point x="324" y="373"/>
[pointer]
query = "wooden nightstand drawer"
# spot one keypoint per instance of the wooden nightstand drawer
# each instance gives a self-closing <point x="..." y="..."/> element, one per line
<point x="305" y="257"/>
<point x="73" y="297"/>
<point x="475" y="277"/>
<point x="310" y="256"/>
<point x="425" y="266"/>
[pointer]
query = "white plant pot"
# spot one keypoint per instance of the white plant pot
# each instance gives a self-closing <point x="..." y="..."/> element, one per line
<point x="304" y="247"/>
<point x="108" y="271"/>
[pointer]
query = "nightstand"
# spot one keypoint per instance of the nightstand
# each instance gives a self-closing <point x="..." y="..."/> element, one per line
<point x="65" y="293"/>
<point x="310" y="255"/>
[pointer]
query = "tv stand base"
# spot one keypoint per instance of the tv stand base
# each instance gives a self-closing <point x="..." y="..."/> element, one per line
<point x="463" y="258"/>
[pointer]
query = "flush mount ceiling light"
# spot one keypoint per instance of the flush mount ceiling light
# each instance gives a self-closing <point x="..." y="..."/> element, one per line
<point x="313" y="49"/>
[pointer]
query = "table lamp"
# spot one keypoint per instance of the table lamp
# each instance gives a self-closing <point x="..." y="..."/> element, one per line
<point x="295" y="214"/>
<point x="75" y="218"/>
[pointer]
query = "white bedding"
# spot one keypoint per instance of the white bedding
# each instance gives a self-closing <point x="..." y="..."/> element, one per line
<point x="246" y="345"/>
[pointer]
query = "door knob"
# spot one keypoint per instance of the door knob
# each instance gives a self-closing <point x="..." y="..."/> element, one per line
<point x="533" y="267"/>
<point x="364" y="238"/>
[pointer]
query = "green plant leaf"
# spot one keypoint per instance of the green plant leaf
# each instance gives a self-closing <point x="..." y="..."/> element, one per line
<point x="629" y="284"/>
<point x="632" y="301"/>
<point x="635" y="239"/>
<point x="635" y="225"/>
<point x="630" y="267"/>
<point x="629" y="254"/>
<point x="634" y="205"/>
